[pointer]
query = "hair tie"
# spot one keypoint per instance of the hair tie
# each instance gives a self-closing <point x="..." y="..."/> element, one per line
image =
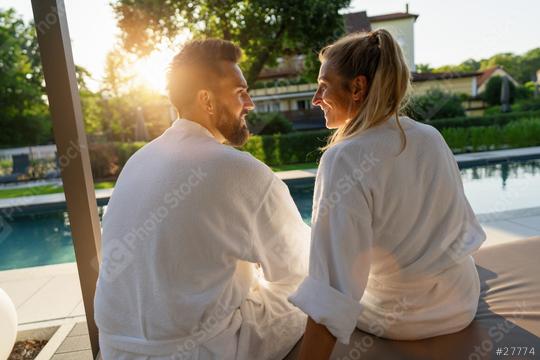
<point x="373" y="38"/>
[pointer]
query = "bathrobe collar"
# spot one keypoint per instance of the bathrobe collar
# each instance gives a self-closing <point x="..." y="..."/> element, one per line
<point x="192" y="127"/>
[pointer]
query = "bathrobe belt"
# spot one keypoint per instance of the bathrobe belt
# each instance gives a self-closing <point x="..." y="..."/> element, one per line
<point x="179" y="346"/>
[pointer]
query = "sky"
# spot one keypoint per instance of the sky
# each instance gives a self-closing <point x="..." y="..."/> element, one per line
<point x="446" y="32"/>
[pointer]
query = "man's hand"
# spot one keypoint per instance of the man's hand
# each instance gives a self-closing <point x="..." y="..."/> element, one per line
<point x="318" y="342"/>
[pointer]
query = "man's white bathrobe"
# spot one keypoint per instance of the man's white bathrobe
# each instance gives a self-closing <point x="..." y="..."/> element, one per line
<point x="201" y="246"/>
<point x="392" y="237"/>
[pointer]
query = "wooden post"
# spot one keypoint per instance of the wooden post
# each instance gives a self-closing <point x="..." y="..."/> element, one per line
<point x="68" y="126"/>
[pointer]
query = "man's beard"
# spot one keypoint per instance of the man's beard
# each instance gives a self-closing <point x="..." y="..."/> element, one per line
<point x="233" y="129"/>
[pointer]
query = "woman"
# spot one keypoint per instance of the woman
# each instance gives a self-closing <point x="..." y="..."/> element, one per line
<point x="392" y="231"/>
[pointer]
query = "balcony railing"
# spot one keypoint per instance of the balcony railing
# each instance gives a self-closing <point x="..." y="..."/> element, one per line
<point x="300" y="88"/>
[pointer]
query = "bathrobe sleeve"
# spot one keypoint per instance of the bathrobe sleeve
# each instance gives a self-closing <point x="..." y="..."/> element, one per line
<point x="340" y="247"/>
<point x="280" y="238"/>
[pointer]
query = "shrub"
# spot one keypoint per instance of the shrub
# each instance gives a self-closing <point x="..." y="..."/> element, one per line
<point x="39" y="168"/>
<point x="525" y="91"/>
<point x="281" y="149"/>
<point x="104" y="160"/>
<point x="125" y="150"/>
<point x="492" y="94"/>
<point x="532" y="104"/>
<point x="486" y="120"/>
<point x="434" y="104"/>
<point x="268" y="123"/>
<point x="301" y="147"/>
<point x="5" y="167"/>
<point x="521" y="133"/>
<point x="24" y="130"/>
<point x="255" y="147"/>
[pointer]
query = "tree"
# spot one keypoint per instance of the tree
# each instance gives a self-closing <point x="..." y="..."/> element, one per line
<point x="434" y="104"/>
<point x="264" y="29"/>
<point x="522" y="67"/>
<point x="118" y="78"/>
<point x="469" y="65"/>
<point x="24" y="118"/>
<point x="423" y="68"/>
<point x="530" y="64"/>
<point x="492" y="94"/>
<point x="268" y="123"/>
<point x="90" y="102"/>
<point x="510" y="62"/>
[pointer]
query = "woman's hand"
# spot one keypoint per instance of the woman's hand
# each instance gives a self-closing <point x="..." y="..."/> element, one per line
<point x="318" y="342"/>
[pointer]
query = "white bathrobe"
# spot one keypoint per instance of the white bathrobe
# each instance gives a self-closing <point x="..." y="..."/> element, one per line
<point x="392" y="236"/>
<point x="202" y="244"/>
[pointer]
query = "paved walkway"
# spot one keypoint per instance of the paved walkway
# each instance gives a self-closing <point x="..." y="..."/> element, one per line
<point x="44" y="293"/>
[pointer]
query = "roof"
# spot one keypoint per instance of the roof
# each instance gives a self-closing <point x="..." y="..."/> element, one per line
<point x="290" y="66"/>
<point x="356" y="22"/>
<point x="392" y="16"/>
<point x="483" y="77"/>
<point x="486" y="75"/>
<point x="442" y="75"/>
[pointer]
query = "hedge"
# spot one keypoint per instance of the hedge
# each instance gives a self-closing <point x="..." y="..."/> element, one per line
<point x="520" y="133"/>
<point x="281" y="149"/>
<point x="300" y="147"/>
<point x="108" y="159"/>
<point x="303" y="146"/>
<point x="486" y="120"/>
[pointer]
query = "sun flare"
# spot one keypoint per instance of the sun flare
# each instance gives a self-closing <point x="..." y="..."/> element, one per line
<point x="151" y="71"/>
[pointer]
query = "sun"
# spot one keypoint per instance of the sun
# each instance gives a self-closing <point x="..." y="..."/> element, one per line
<point x="151" y="71"/>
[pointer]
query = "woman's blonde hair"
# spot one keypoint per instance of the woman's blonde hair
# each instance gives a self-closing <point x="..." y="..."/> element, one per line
<point x="378" y="57"/>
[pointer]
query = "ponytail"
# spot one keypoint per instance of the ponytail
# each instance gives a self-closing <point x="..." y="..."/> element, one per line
<point x="378" y="57"/>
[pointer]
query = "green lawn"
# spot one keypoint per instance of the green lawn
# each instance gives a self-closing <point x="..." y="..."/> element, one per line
<point x="44" y="190"/>
<point x="53" y="189"/>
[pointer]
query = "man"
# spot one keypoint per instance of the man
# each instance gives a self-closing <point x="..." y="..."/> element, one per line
<point x="202" y="243"/>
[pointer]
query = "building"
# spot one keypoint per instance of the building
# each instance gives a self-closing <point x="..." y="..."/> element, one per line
<point x="281" y="90"/>
<point x="492" y="72"/>
<point x="470" y="84"/>
<point x="401" y="26"/>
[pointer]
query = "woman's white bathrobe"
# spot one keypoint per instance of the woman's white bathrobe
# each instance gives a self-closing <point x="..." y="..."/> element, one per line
<point x="190" y="228"/>
<point x="391" y="238"/>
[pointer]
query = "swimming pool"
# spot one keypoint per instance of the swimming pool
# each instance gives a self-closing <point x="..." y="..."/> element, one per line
<point x="44" y="238"/>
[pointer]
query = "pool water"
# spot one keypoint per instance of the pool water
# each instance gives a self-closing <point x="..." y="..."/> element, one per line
<point x="503" y="187"/>
<point x="45" y="238"/>
<point x="39" y="239"/>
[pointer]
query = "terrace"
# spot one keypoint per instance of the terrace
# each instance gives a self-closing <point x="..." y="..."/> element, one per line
<point x="55" y="301"/>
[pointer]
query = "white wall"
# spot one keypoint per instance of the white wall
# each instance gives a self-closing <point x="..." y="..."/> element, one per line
<point x="403" y="31"/>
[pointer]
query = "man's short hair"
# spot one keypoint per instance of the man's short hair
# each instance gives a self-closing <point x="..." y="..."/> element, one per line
<point x="204" y="55"/>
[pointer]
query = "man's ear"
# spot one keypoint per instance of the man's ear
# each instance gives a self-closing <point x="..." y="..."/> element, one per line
<point x="359" y="87"/>
<point x="204" y="98"/>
